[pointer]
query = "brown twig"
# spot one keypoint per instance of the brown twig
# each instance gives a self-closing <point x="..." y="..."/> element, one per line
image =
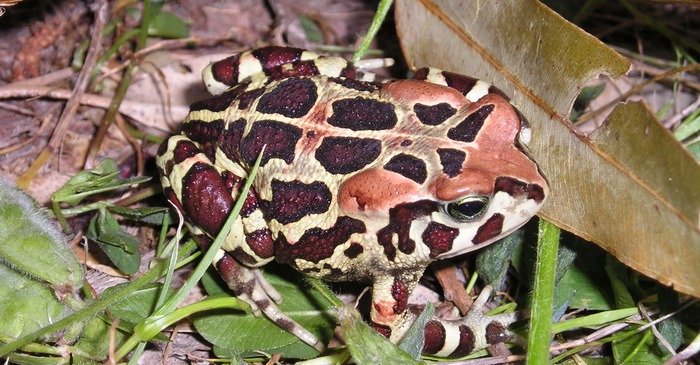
<point x="58" y="75"/>
<point x="108" y="117"/>
<point x="128" y="107"/>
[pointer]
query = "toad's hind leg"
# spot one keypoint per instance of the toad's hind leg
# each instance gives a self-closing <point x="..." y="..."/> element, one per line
<point x="205" y="194"/>
<point x="249" y="285"/>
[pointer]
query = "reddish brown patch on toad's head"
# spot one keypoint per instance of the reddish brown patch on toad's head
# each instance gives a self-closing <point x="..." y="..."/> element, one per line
<point x="376" y="190"/>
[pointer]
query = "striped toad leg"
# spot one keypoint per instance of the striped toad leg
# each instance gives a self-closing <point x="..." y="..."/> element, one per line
<point x="443" y="338"/>
<point x="249" y="285"/>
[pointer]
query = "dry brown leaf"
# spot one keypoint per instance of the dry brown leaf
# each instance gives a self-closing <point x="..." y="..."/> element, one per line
<point x="629" y="186"/>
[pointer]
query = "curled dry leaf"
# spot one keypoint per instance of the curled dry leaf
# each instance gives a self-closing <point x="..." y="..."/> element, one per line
<point x="628" y="186"/>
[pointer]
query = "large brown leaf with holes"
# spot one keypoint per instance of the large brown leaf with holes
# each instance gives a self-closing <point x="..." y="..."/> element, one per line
<point x="628" y="186"/>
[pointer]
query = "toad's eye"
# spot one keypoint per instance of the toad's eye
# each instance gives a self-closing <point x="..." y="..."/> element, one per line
<point x="468" y="208"/>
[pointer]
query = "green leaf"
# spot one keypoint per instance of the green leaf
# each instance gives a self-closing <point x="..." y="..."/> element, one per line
<point x="82" y="360"/>
<point x="32" y="244"/>
<point x="86" y="181"/>
<point x="594" y="320"/>
<point x="103" y="178"/>
<point x="694" y="149"/>
<point x="244" y="333"/>
<point x="584" y="291"/>
<point x="616" y="273"/>
<point x="95" y="339"/>
<point x="168" y="25"/>
<point x="639" y="348"/>
<point x="689" y="127"/>
<point x="585" y="283"/>
<point x="150" y="215"/>
<point x="25" y="304"/>
<point x="137" y="305"/>
<point x="25" y="359"/>
<point x="671" y="329"/>
<point x="414" y="339"/>
<point x="366" y="345"/>
<point x="493" y="261"/>
<point x="233" y="357"/>
<point x="121" y="247"/>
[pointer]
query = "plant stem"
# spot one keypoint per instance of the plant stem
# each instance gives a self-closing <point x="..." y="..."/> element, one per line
<point x="543" y="294"/>
<point x="379" y="16"/>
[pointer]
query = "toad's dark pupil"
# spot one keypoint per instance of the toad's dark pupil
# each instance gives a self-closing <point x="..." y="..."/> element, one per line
<point x="468" y="209"/>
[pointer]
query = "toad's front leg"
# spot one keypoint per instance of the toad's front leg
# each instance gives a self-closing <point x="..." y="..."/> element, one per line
<point x="444" y="338"/>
